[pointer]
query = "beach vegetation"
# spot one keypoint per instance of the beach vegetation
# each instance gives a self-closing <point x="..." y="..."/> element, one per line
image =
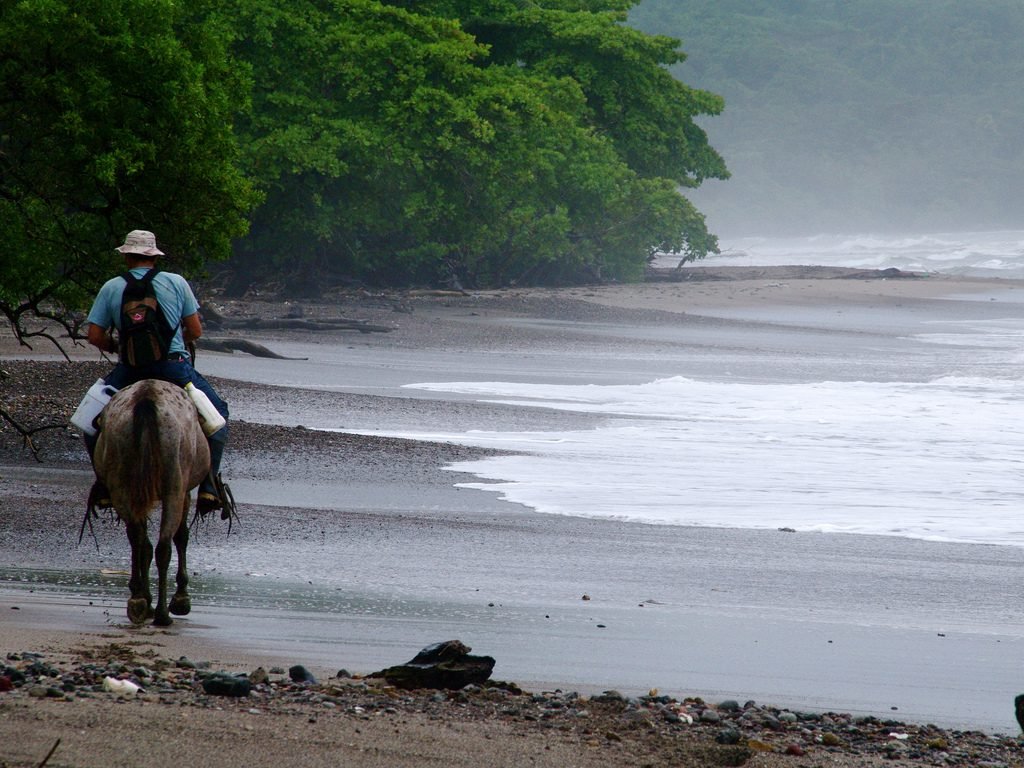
<point x="114" y="114"/>
<point x="466" y="142"/>
<point x="473" y="142"/>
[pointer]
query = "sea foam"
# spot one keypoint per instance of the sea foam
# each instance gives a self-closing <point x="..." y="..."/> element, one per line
<point x="979" y="254"/>
<point x="937" y="460"/>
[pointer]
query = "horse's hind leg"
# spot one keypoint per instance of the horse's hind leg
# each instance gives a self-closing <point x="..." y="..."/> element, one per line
<point x="181" y="603"/>
<point x="139" y="604"/>
<point x="163" y="561"/>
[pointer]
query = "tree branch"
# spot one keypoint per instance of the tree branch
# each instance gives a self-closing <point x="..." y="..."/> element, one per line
<point x="27" y="433"/>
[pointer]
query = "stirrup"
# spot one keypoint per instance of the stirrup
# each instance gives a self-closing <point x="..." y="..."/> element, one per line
<point x="207" y="503"/>
<point x="99" y="498"/>
<point x="228" y="510"/>
<point x="221" y="499"/>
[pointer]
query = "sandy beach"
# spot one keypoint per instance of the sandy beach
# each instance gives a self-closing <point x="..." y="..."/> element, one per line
<point x="355" y="551"/>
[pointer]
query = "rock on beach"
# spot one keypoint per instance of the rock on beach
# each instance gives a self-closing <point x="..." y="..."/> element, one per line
<point x="687" y="731"/>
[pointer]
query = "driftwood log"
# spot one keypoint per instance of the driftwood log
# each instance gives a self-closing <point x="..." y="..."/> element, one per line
<point x="216" y="320"/>
<point x="213" y="318"/>
<point x="300" y="324"/>
<point x="240" y="345"/>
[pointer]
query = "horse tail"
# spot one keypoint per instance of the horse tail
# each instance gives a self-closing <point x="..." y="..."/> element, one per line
<point x="144" y="487"/>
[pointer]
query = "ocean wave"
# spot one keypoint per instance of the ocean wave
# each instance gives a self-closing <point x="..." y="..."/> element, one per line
<point x="978" y="254"/>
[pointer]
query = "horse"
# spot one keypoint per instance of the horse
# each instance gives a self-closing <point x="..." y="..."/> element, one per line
<point x="151" y="448"/>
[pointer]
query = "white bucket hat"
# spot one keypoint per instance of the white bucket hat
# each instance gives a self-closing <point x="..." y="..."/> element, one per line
<point x="141" y="242"/>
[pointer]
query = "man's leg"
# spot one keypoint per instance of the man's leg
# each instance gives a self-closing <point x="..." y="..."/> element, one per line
<point x="209" y="500"/>
<point x="120" y="377"/>
<point x="99" y="496"/>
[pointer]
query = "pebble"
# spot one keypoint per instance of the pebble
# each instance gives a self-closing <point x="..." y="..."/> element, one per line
<point x="601" y="718"/>
<point x="299" y="674"/>
<point x="831" y="740"/>
<point x="728" y="736"/>
<point x="223" y="684"/>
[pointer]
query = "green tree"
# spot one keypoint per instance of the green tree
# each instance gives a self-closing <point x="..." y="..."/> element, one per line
<point x="115" y="115"/>
<point x="623" y="73"/>
<point x="404" y="142"/>
<point x="632" y="100"/>
<point x="336" y="139"/>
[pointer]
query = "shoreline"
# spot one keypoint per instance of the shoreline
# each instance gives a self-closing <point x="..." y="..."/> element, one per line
<point x="450" y="520"/>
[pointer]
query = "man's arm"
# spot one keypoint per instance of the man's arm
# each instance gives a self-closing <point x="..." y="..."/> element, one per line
<point x="191" y="328"/>
<point x="100" y="338"/>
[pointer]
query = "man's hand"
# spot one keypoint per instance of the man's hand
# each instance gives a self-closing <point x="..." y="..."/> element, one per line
<point x="100" y="338"/>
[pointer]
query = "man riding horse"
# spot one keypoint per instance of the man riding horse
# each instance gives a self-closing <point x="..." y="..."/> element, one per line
<point x="175" y="309"/>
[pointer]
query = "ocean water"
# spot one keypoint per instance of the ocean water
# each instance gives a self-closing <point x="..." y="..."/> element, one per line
<point x="977" y="254"/>
<point x="939" y="459"/>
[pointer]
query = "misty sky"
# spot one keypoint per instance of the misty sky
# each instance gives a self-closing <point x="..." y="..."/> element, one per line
<point x="857" y="116"/>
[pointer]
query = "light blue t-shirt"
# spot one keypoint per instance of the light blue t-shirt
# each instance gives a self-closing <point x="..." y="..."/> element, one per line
<point x="173" y="293"/>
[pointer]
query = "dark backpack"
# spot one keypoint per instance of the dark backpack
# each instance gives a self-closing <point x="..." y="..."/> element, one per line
<point x="145" y="334"/>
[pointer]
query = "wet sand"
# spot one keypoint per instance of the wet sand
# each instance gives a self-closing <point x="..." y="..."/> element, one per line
<point x="385" y="555"/>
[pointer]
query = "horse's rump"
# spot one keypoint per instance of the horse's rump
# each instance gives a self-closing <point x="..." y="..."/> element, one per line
<point x="150" y="447"/>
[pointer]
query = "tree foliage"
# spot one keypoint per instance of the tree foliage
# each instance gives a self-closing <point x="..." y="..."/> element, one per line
<point x="413" y="141"/>
<point x="114" y="115"/>
<point x="484" y="141"/>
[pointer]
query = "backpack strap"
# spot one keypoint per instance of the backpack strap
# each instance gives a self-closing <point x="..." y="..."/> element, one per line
<point x="133" y="281"/>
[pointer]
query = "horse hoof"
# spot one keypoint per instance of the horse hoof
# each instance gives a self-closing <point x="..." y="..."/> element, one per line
<point x="138" y="610"/>
<point x="162" y="620"/>
<point x="181" y="605"/>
